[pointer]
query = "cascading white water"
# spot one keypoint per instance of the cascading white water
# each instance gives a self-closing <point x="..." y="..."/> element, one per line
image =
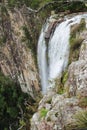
<point x="57" y="52"/>
<point x="42" y="62"/>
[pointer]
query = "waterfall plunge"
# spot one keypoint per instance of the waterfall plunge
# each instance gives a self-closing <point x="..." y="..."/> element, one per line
<point x="57" y="51"/>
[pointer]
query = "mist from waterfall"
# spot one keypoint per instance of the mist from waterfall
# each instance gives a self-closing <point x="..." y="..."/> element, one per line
<point x="53" y="56"/>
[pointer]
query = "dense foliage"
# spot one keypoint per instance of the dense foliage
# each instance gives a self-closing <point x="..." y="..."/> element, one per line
<point x="31" y="3"/>
<point x="12" y="101"/>
<point x="81" y="120"/>
<point x="73" y="6"/>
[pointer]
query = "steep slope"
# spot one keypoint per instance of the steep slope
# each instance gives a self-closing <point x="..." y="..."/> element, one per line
<point x="17" y="51"/>
<point x="65" y="105"/>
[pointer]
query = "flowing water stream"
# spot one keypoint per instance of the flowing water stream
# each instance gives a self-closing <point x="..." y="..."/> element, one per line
<point x="53" y="55"/>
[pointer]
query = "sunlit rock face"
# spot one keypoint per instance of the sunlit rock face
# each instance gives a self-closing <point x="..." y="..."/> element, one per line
<point x="77" y="80"/>
<point x="16" y="58"/>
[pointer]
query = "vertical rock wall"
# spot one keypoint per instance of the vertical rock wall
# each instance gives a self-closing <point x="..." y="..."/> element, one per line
<point x="16" y="58"/>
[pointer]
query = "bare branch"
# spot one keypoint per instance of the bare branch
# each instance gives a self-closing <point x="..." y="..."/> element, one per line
<point x="46" y="5"/>
<point x="20" y="128"/>
<point x="52" y="3"/>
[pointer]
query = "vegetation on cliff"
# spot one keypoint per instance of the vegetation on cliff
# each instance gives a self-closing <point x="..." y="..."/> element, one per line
<point x="76" y="40"/>
<point x="16" y="107"/>
<point x="61" y="5"/>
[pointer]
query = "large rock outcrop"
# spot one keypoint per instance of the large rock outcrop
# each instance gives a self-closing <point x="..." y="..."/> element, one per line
<point x="17" y="60"/>
<point x="77" y="72"/>
<point x="57" y="111"/>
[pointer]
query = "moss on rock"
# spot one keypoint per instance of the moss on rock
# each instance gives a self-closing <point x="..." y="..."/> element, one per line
<point x="43" y="112"/>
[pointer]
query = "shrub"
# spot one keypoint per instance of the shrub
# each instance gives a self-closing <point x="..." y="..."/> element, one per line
<point x="49" y="101"/>
<point x="76" y="40"/>
<point x="75" y="43"/>
<point x="43" y="112"/>
<point x="83" y="102"/>
<point x="65" y="77"/>
<point x="11" y="102"/>
<point x="76" y="6"/>
<point x="61" y="90"/>
<point x="78" y="27"/>
<point x="81" y="119"/>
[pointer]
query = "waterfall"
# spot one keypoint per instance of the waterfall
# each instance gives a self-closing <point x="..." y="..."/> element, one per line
<point x="42" y="61"/>
<point x="53" y="56"/>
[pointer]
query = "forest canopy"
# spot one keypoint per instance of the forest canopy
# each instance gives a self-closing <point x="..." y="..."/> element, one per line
<point x="58" y="5"/>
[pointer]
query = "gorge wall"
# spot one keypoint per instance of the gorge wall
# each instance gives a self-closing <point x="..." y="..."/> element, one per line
<point x="64" y="106"/>
<point x="19" y="31"/>
<point x="17" y="51"/>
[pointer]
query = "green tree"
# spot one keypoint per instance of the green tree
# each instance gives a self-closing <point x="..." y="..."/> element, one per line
<point x="11" y="100"/>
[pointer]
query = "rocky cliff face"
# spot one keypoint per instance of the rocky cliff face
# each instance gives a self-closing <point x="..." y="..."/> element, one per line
<point x="17" y="57"/>
<point x="58" y="110"/>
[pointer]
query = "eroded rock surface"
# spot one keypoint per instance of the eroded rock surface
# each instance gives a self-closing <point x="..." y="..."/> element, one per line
<point x="77" y="80"/>
<point x="61" y="108"/>
<point x="16" y="58"/>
